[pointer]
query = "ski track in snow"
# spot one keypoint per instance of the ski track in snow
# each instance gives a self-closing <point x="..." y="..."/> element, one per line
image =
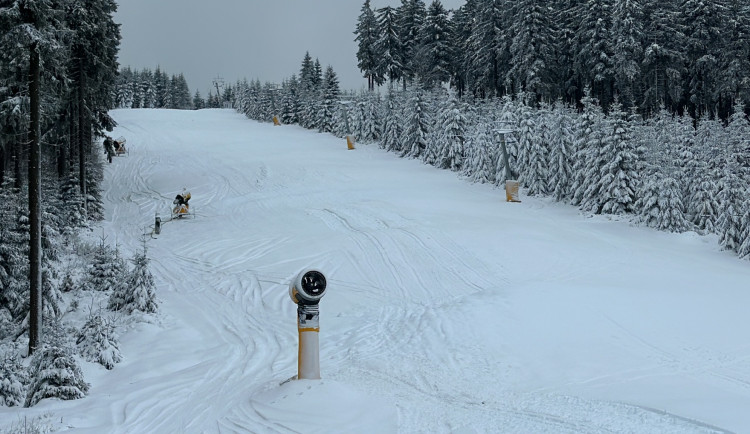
<point x="401" y="320"/>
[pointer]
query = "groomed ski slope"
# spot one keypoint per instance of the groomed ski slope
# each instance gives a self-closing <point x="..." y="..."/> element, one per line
<point x="448" y="309"/>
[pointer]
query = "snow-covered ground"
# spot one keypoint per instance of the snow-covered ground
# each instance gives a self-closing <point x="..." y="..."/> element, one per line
<point x="448" y="309"/>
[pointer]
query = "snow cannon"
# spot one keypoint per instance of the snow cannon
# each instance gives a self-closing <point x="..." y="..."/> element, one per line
<point x="306" y="290"/>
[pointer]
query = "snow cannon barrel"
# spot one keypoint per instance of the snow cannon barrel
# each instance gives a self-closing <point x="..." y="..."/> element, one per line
<point x="306" y="290"/>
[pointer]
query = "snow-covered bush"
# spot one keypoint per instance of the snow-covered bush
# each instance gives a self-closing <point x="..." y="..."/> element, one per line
<point x="67" y="284"/>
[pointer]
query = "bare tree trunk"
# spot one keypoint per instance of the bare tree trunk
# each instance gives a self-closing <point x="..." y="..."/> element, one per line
<point x="3" y="160"/>
<point x="62" y="152"/>
<point x="35" y="191"/>
<point x="17" y="166"/>
<point x="82" y="132"/>
<point x="73" y="135"/>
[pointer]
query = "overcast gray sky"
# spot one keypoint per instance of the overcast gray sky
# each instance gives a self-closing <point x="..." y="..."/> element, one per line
<point x="234" y="39"/>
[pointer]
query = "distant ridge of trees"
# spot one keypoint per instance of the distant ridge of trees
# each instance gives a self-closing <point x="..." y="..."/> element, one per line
<point x="151" y="89"/>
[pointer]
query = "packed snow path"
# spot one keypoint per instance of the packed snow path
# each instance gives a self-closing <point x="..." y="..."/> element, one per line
<point x="464" y="312"/>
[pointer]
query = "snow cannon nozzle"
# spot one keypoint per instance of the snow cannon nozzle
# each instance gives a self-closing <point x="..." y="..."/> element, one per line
<point x="307" y="287"/>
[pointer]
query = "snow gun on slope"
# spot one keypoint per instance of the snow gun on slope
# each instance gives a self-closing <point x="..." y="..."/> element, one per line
<point x="181" y="209"/>
<point x="181" y="205"/>
<point x="119" y="146"/>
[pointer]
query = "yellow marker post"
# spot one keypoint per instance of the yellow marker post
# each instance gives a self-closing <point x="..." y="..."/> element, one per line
<point x="276" y="121"/>
<point x="511" y="190"/>
<point x="350" y="142"/>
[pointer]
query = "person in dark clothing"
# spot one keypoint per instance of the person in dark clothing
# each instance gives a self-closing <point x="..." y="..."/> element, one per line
<point x="109" y="148"/>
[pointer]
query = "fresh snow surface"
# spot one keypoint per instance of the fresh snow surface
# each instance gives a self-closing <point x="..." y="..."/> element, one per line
<point x="448" y="309"/>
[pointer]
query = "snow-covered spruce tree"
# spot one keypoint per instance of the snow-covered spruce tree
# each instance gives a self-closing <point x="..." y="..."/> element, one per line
<point x="97" y="341"/>
<point x="729" y="225"/>
<point x="534" y="151"/>
<point x="268" y="104"/>
<point x="436" y="99"/>
<point x="54" y="371"/>
<point x="737" y="133"/>
<point x="619" y="180"/>
<point x="532" y="49"/>
<point x="561" y="152"/>
<point x="368" y="114"/>
<point x="13" y="379"/>
<point x="689" y="165"/>
<point x="417" y="127"/>
<point x="410" y="17"/>
<point x="367" y="38"/>
<point x="14" y="262"/>
<point x="250" y="96"/>
<point x="434" y="50"/>
<point x="12" y="275"/>
<point x="480" y="161"/>
<point x="627" y="49"/>
<point x="584" y="126"/>
<point x="589" y="158"/>
<point x="592" y="49"/>
<point x="488" y="49"/>
<point x="52" y="297"/>
<point x="388" y="45"/>
<point x="94" y="178"/>
<point x="7" y="325"/>
<point x="704" y="200"/>
<point x="330" y="101"/>
<point x="289" y="101"/>
<point x="734" y="63"/>
<point x="391" y="137"/>
<point x="451" y="123"/>
<point x="139" y="293"/>
<point x="662" y="66"/>
<point x="659" y="203"/>
<point x="701" y="23"/>
<point x="108" y="270"/>
<point x="744" y="249"/>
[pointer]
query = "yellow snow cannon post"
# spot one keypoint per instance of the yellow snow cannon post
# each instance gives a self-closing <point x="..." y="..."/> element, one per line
<point x="350" y="142"/>
<point x="511" y="190"/>
<point x="276" y="121"/>
<point x="306" y="290"/>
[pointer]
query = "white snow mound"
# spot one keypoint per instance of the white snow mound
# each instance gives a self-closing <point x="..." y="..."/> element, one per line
<point x="324" y="406"/>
